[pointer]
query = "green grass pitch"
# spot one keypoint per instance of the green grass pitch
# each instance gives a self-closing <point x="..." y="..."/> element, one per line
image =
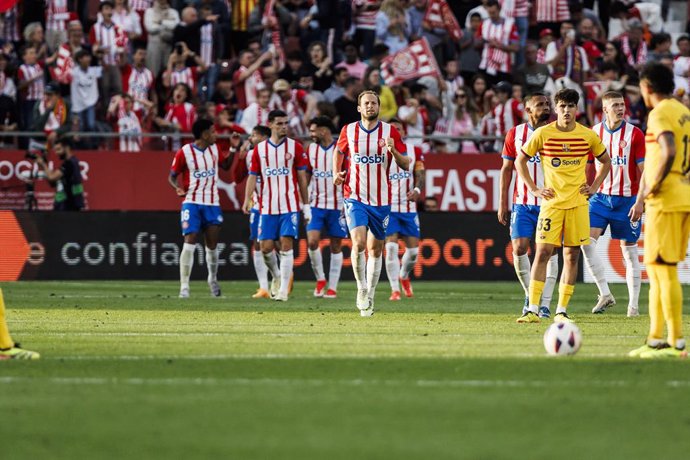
<point x="130" y="371"/>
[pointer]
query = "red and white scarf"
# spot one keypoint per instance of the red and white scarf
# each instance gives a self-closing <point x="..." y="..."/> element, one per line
<point x="641" y="57"/>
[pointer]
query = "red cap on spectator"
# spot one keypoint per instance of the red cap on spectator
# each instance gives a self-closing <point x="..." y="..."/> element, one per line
<point x="545" y="32"/>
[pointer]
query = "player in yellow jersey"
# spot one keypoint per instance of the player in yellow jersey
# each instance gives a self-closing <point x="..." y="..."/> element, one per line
<point x="8" y="348"/>
<point x="665" y="191"/>
<point x="564" y="147"/>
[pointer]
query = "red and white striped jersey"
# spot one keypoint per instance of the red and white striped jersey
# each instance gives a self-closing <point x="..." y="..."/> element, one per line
<point x="34" y="91"/>
<point x="246" y="90"/>
<point x="62" y="71"/>
<point x="514" y="8"/>
<point x="206" y="44"/>
<point x="137" y="83"/>
<point x="184" y="115"/>
<point x="295" y="108"/>
<point x="368" y="161"/>
<point x="10" y="25"/>
<point x="278" y="165"/>
<point x="323" y="194"/>
<point x="626" y="147"/>
<point x="365" y="18"/>
<point x="493" y="59"/>
<point x="186" y="75"/>
<point x="57" y="15"/>
<point x="140" y="5"/>
<point x="254" y="115"/>
<point x="111" y="37"/>
<point x="515" y="139"/>
<point x="402" y="181"/>
<point x="507" y="115"/>
<point x="552" y="10"/>
<point x="200" y="173"/>
<point x="130" y="131"/>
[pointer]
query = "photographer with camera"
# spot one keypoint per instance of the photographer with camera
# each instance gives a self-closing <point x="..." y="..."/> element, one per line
<point x="69" y="191"/>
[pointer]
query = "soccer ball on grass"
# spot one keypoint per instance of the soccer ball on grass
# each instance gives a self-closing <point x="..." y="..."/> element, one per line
<point x="562" y="339"/>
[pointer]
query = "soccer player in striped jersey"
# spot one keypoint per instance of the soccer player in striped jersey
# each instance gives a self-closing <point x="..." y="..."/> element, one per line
<point x="367" y="148"/>
<point x="525" y="208"/>
<point x="283" y="166"/>
<point x="665" y="194"/>
<point x="611" y="204"/>
<point x="326" y="200"/>
<point x="197" y="164"/>
<point x="564" y="147"/>
<point x="259" y="134"/>
<point x="406" y="187"/>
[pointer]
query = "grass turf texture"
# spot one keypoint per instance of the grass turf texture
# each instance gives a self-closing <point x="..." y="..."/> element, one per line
<point x="130" y="371"/>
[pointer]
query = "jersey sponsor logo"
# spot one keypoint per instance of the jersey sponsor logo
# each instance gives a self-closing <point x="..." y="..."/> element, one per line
<point x="400" y="176"/>
<point x="535" y="159"/>
<point x="364" y="159"/>
<point x="619" y="161"/>
<point x="203" y="174"/>
<point x="268" y="172"/>
<point x="556" y="162"/>
<point x="319" y="174"/>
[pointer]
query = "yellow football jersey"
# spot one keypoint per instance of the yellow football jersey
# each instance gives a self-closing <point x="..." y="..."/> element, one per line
<point x="673" y="117"/>
<point x="564" y="158"/>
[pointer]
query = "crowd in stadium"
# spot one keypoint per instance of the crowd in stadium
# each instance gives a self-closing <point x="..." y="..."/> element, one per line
<point x="155" y="66"/>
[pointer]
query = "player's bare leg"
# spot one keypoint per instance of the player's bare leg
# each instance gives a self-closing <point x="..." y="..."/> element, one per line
<point x="633" y="276"/>
<point x="271" y="261"/>
<point x="211" y="235"/>
<point x="261" y="272"/>
<point x="359" y="245"/>
<point x="393" y="265"/>
<point x="336" y="267"/>
<point x="595" y="267"/>
<point x="374" y="262"/>
<point x="316" y="258"/>
<point x="186" y="263"/>
<point x="409" y="259"/>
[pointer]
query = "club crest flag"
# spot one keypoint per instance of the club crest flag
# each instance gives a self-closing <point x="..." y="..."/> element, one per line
<point x="414" y="61"/>
<point x="439" y="16"/>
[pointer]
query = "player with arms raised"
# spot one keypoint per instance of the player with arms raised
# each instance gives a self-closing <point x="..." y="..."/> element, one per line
<point x="525" y="209"/>
<point x="282" y="164"/>
<point x="368" y="146"/>
<point x="406" y="186"/>
<point x="564" y="146"/>
<point x="197" y="165"/>
<point x="665" y="192"/>
<point x="612" y="203"/>
<point x="326" y="207"/>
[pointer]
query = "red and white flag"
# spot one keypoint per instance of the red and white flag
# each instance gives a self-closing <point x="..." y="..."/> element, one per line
<point x="439" y="16"/>
<point x="272" y="26"/>
<point x="414" y="61"/>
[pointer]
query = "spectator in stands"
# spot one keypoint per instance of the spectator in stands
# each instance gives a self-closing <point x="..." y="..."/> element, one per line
<point x="30" y="80"/>
<point x="224" y="93"/>
<point x="508" y="112"/>
<point x="109" y="43"/>
<point x="388" y="107"/>
<point x="180" y="113"/>
<point x="501" y="42"/>
<point x="34" y="38"/>
<point x="63" y="58"/>
<point x="478" y="89"/>
<point x="51" y="115"/>
<point x="587" y="40"/>
<point x="470" y="48"/>
<point x="67" y="180"/>
<point x="210" y="49"/>
<point x="239" y="27"/>
<point x="8" y="98"/>
<point x="681" y="84"/>
<point x="481" y="10"/>
<point x="217" y="12"/>
<point x="660" y="46"/>
<point x="159" y="21"/>
<point x="291" y="71"/>
<point x="551" y="13"/>
<point x="178" y="69"/>
<point x="354" y="66"/>
<point x="248" y="78"/>
<point x="125" y="18"/>
<point x="452" y="80"/>
<point x="632" y="46"/>
<point x="121" y="113"/>
<point x="681" y="65"/>
<point x="57" y="17"/>
<point x="330" y="16"/>
<point x="565" y="58"/>
<point x="415" y="115"/>
<point x="647" y="13"/>
<point x="319" y="66"/>
<point x="139" y="82"/>
<point x="336" y="90"/>
<point x="364" y="19"/>
<point x="391" y="26"/>
<point x="298" y="104"/>
<point x="612" y="55"/>
<point x="430" y="204"/>
<point x="256" y="113"/>
<point x="10" y="27"/>
<point x="224" y="126"/>
<point x="84" y="92"/>
<point x="346" y="105"/>
<point x="533" y="76"/>
<point x="463" y="121"/>
<point x="545" y="38"/>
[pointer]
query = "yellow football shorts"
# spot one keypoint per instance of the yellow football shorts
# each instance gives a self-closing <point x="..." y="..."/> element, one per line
<point x="666" y="236"/>
<point x="567" y="227"/>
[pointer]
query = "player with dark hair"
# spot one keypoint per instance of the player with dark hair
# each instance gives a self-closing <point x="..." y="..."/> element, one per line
<point x="326" y="200"/>
<point x="282" y="164"/>
<point x="197" y="164"/>
<point x="367" y="148"/>
<point x="665" y="195"/>
<point x="564" y="147"/>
